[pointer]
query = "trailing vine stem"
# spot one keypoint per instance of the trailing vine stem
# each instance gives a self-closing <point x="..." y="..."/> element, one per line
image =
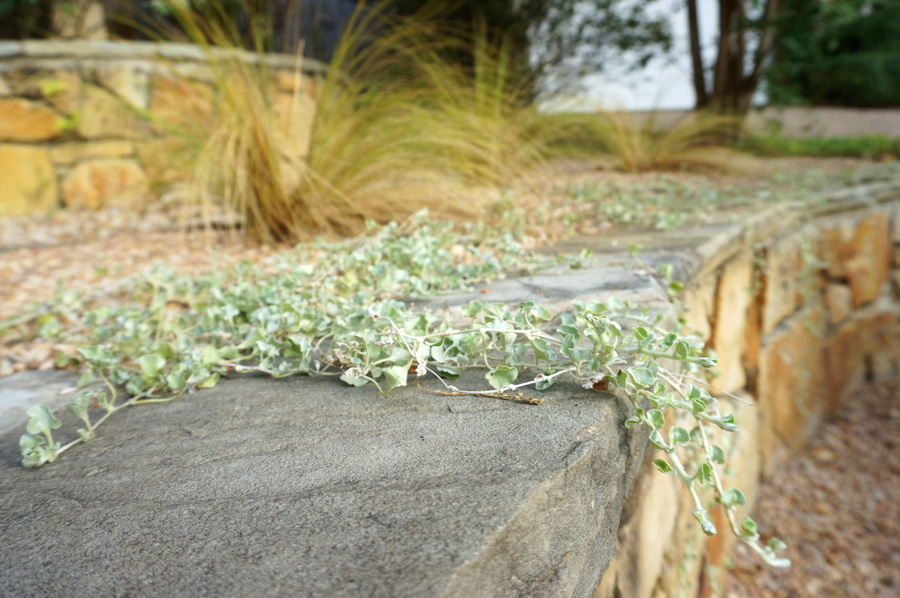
<point x="346" y="323"/>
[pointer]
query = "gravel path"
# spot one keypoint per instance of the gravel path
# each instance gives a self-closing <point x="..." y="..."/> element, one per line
<point x="837" y="506"/>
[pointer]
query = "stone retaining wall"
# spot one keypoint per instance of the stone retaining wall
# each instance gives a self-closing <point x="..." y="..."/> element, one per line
<point x="310" y="487"/>
<point x="87" y="124"/>
<point x="801" y="306"/>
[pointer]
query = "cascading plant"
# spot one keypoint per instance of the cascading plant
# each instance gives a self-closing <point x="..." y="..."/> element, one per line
<point x="334" y="309"/>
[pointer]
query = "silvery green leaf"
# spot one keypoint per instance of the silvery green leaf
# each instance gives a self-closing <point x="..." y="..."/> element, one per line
<point x="657" y="419"/>
<point x="545" y="384"/>
<point x="209" y="356"/>
<point x="733" y="497"/>
<point x="473" y="308"/>
<point x="97" y="355"/>
<point x="437" y="353"/>
<point x="749" y="528"/>
<point x="642" y="377"/>
<point x="662" y="465"/>
<point x="726" y="422"/>
<point x="705" y="522"/>
<point x="682" y="349"/>
<point x="41" y="420"/>
<point x="448" y="372"/>
<point x="395" y="376"/>
<point x="209" y="382"/>
<point x="353" y="380"/>
<point x="704" y="473"/>
<point x="679" y="435"/>
<point x="150" y="365"/>
<point x="718" y="455"/>
<point x="501" y="376"/>
<point x="632" y="421"/>
<point x="254" y="336"/>
<point x="79" y="405"/>
<point x="657" y="441"/>
<point x="29" y="441"/>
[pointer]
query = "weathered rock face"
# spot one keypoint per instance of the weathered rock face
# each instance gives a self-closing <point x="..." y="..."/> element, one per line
<point x="154" y="104"/>
<point x="315" y="489"/>
<point x="29" y="183"/>
<point x="96" y="183"/>
<point x="23" y="120"/>
<point x="794" y="351"/>
<point x="730" y="322"/>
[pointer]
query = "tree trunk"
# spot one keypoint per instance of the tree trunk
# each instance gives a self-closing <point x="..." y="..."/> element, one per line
<point x="733" y="86"/>
<point x="696" y="55"/>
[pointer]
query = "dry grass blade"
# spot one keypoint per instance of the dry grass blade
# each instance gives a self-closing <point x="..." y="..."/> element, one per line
<point x="698" y="141"/>
<point x="398" y="127"/>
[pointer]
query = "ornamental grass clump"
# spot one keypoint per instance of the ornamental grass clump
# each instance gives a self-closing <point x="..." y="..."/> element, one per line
<point x="697" y="141"/>
<point x="398" y="126"/>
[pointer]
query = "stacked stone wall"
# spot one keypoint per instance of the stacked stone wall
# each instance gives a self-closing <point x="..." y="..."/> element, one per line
<point x="800" y="314"/>
<point x="89" y="124"/>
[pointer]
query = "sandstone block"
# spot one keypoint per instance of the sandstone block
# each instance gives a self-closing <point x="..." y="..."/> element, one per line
<point x="105" y="115"/>
<point x="29" y="182"/>
<point x="61" y="88"/>
<point x="4" y="87"/>
<point x="685" y="551"/>
<point x="782" y="282"/>
<point x="642" y="542"/>
<point x="730" y="322"/>
<point x="835" y="244"/>
<point x="845" y="353"/>
<point x="699" y="306"/>
<point x="22" y="120"/>
<point x="895" y="227"/>
<point x="897" y="256"/>
<point x="128" y="81"/>
<point x="883" y="346"/>
<point x="101" y="182"/>
<point x="70" y="153"/>
<point x="744" y="471"/>
<point x="838" y="302"/>
<point x="868" y="268"/>
<point x="165" y="159"/>
<point x="791" y="385"/>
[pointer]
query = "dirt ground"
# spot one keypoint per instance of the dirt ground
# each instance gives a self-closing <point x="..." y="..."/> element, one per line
<point x="836" y="504"/>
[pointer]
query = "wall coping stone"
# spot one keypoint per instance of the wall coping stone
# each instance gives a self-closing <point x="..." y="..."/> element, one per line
<point x="307" y="487"/>
<point x="108" y="51"/>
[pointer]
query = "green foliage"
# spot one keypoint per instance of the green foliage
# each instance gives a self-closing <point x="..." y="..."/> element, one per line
<point x="333" y="309"/>
<point x="841" y="53"/>
<point x="866" y="146"/>
<point x="547" y="39"/>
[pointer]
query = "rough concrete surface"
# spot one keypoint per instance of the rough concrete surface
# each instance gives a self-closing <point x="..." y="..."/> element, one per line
<point x="305" y="487"/>
<point x="20" y="391"/>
